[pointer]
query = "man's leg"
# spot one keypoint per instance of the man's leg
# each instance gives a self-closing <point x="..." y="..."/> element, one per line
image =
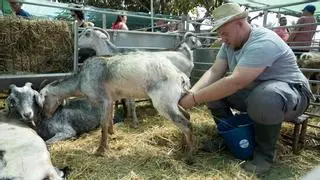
<point x="221" y="110"/>
<point x="268" y="105"/>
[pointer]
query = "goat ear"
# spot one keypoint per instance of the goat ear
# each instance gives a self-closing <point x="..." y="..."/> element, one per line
<point x="9" y="102"/>
<point x="12" y="86"/>
<point x="39" y="99"/>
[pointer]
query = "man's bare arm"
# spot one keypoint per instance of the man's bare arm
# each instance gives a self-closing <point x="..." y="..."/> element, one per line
<point x="216" y="72"/>
<point x="240" y="78"/>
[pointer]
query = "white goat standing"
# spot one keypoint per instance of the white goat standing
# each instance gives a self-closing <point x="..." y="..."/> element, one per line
<point x="99" y="40"/>
<point x="134" y="75"/>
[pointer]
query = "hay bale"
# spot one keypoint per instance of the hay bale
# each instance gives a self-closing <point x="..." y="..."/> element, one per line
<point x="35" y="46"/>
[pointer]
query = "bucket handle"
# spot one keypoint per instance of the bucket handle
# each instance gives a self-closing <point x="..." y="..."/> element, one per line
<point x="226" y="123"/>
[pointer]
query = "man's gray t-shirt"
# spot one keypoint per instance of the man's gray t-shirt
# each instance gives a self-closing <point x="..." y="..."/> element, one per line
<point x="265" y="48"/>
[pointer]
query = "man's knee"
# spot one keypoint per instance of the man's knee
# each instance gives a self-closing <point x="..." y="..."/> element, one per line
<point x="266" y="106"/>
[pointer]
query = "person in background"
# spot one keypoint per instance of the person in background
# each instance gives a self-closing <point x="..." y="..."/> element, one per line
<point x="304" y="37"/>
<point x="265" y="82"/>
<point x="16" y="8"/>
<point x="161" y="26"/>
<point x="78" y="15"/>
<point x="172" y="26"/>
<point x="83" y="53"/>
<point x="120" y="23"/>
<point x="283" y="32"/>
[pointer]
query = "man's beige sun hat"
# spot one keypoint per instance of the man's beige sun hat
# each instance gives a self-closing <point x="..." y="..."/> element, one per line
<point x="226" y="13"/>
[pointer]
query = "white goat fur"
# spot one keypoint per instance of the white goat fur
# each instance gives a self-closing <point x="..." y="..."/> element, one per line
<point x="134" y="75"/>
<point x="25" y="153"/>
<point x="314" y="174"/>
<point x="99" y="40"/>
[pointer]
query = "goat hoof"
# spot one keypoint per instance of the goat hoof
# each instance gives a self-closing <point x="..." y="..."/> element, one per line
<point x="101" y="151"/>
<point x="189" y="160"/>
<point x="135" y="126"/>
<point x="110" y="131"/>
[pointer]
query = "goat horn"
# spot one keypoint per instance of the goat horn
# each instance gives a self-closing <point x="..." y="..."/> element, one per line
<point x="84" y="30"/>
<point x="187" y="34"/>
<point x="52" y="83"/>
<point x="80" y="34"/>
<point x="103" y="31"/>
<point x="43" y="83"/>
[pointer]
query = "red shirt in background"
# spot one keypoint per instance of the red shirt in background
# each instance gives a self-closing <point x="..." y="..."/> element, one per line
<point x="303" y="38"/>
<point x="120" y="25"/>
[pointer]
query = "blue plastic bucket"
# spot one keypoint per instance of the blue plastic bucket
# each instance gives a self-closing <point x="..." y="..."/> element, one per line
<point x="238" y="134"/>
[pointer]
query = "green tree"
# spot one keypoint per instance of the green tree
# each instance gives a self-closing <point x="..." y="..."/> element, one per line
<point x="170" y="7"/>
<point x="174" y="7"/>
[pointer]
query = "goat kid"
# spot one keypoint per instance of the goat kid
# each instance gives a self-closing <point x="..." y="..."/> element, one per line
<point x="104" y="80"/>
<point x="74" y="118"/>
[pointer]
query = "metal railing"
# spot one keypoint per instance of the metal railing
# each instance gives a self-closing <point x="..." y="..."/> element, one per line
<point x="36" y="79"/>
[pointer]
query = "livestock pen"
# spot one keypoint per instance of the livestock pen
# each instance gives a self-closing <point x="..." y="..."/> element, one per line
<point x="153" y="150"/>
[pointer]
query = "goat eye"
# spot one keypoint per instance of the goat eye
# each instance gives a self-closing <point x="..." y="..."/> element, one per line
<point x="87" y="34"/>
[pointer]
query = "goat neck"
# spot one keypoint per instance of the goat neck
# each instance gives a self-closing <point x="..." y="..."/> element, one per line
<point x="105" y="47"/>
<point x="67" y="87"/>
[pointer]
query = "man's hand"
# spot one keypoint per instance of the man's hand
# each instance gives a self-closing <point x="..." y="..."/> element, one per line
<point x="187" y="101"/>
